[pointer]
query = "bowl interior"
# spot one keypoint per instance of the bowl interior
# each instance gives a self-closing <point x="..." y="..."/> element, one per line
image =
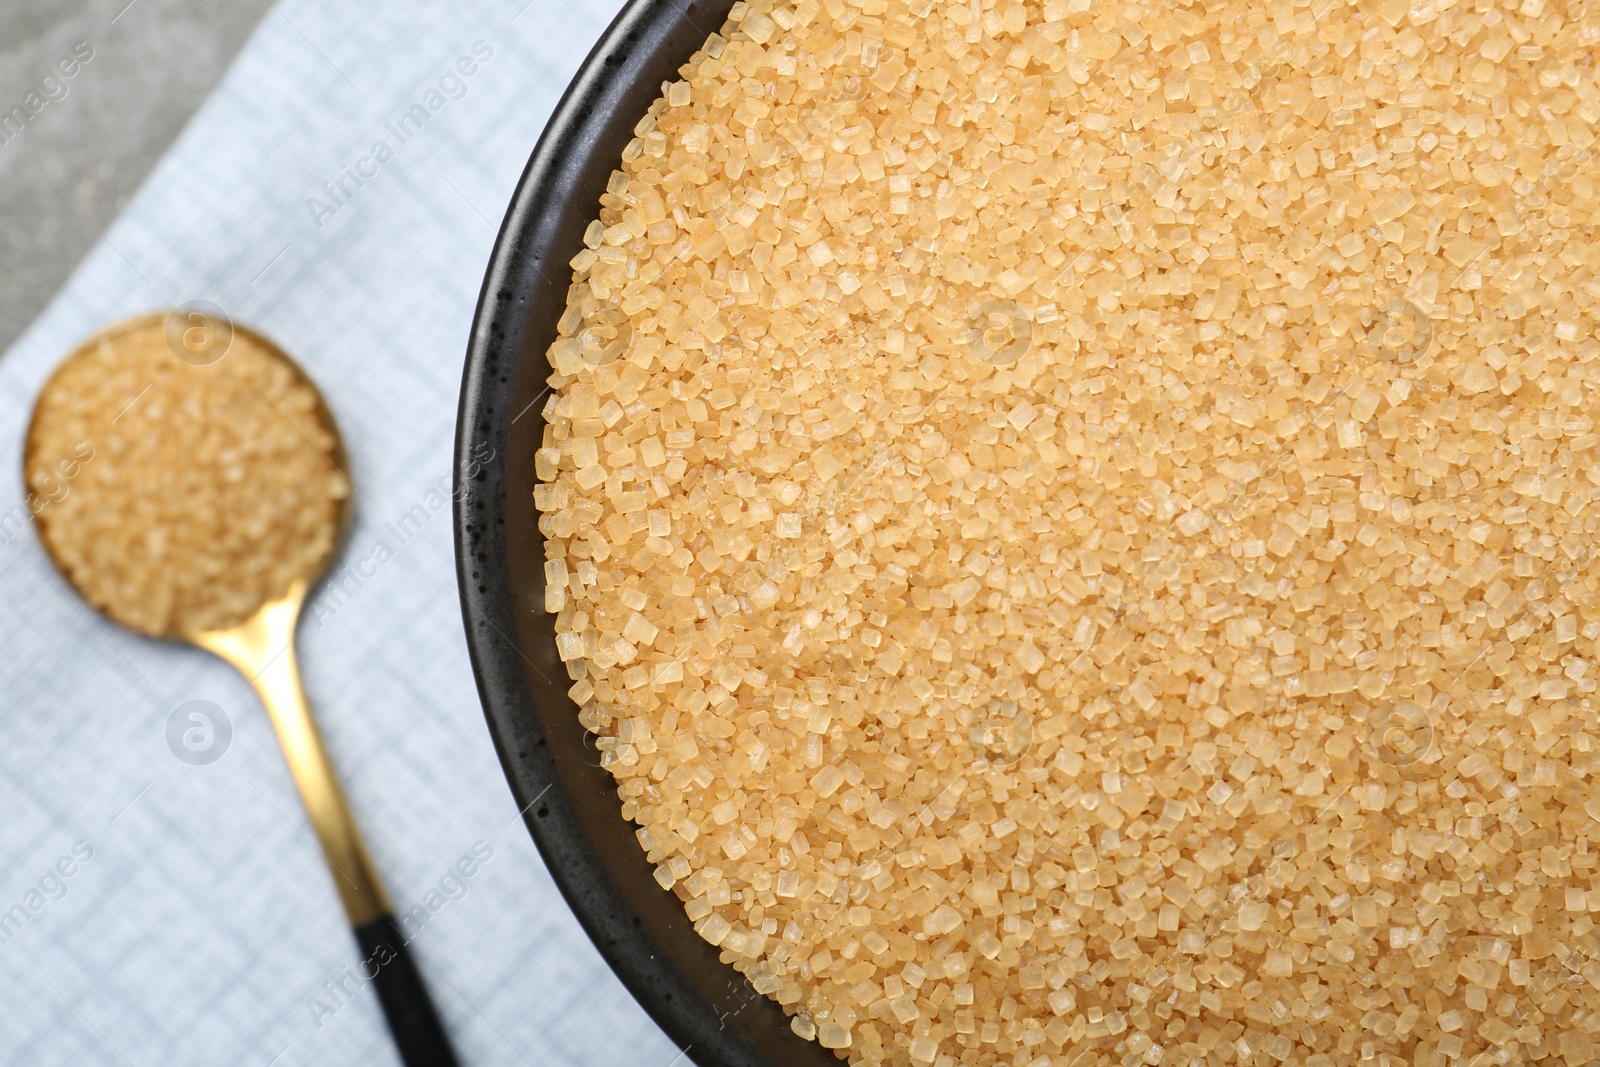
<point x="570" y="803"/>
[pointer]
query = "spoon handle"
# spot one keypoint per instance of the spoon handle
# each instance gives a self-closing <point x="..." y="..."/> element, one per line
<point x="418" y="1034"/>
<point x="262" y="649"/>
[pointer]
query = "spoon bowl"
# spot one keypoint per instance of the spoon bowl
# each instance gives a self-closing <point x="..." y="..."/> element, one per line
<point x="213" y="474"/>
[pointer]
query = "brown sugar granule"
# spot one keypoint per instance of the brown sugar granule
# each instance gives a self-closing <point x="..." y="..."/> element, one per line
<point x="207" y="489"/>
<point x="1074" y="524"/>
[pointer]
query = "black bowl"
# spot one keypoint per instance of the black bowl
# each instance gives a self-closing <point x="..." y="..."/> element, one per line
<point x="570" y="804"/>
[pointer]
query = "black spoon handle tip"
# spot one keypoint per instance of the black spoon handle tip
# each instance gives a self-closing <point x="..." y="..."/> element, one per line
<point x="418" y="1034"/>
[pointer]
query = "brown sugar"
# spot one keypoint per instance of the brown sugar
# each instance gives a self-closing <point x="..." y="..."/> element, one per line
<point x="1074" y="524"/>
<point x="198" y="492"/>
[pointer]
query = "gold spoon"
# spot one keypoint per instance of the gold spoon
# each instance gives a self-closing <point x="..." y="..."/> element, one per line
<point x="189" y="480"/>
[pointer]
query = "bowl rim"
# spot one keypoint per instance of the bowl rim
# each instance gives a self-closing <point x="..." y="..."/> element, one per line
<point x="711" y="1011"/>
